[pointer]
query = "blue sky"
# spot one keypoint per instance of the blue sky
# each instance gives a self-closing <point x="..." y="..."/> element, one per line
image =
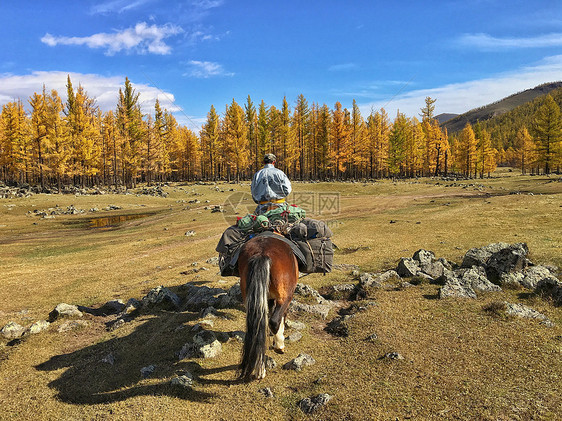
<point x="195" y="53"/>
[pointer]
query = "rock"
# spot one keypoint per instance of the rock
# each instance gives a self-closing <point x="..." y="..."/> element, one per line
<point x="308" y="291"/>
<point x="407" y="267"/>
<point x="512" y="280"/>
<point x="392" y="356"/>
<point x="345" y="267"/>
<point x="550" y="287"/>
<point x="161" y="297"/>
<point x="190" y="233"/>
<point x="270" y="363"/>
<point x="208" y="312"/>
<point x="185" y="381"/>
<point x="338" y="326"/>
<point x="508" y="259"/>
<point x="200" y="297"/>
<point x="108" y="359"/>
<point x="424" y="257"/>
<point x="213" y="261"/>
<point x="132" y="306"/>
<point x="520" y="310"/>
<point x="476" y="279"/>
<point x="238" y="335"/>
<point x="534" y="274"/>
<point x="453" y="288"/>
<point x="72" y="325"/>
<point x="12" y="330"/>
<point x="147" y="371"/>
<point x="38" y="327"/>
<point x="315" y="309"/>
<point x="205" y="345"/>
<point x="64" y="310"/>
<point x="434" y="269"/>
<point x="372" y="337"/>
<point x="293" y="337"/>
<point x="298" y="363"/>
<point x="480" y="256"/>
<point x="266" y="391"/>
<point x="294" y="325"/>
<point x="112" y="307"/>
<point x="314" y="403"/>
<point x="368" y="280"/>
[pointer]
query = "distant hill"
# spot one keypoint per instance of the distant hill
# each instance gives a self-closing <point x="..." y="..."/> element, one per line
<point x="498" y="108"/>
<point x="442" y="118"/>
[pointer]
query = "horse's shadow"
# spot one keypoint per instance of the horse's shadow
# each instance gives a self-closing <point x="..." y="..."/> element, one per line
<point x="110" y="370"/>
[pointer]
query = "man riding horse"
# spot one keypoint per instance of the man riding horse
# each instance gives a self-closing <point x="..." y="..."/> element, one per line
<point x="270" y="186"/>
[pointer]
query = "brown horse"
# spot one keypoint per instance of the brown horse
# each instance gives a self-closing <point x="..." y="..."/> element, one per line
<point x="268" y="277"/>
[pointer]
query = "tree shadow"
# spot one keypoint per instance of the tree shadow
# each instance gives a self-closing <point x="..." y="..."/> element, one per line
<point x="110" y="370"/>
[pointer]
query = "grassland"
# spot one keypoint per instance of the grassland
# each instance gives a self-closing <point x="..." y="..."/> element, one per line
<point x="460" y="361"/>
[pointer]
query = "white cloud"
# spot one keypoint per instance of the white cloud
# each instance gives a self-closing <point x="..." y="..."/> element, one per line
<point x="461" y="97"/>
<point x="105" y="90"/>
<point x="488" y="42"/>
<point x="118" y="6"/>
<point x="205" y="69"/>
<point x="141" y="39"/>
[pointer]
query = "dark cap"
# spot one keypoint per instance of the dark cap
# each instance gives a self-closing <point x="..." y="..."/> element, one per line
<point x="269" y="158"/>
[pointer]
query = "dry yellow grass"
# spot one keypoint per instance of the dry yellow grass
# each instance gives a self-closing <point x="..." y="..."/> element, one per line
<point x="460" y="362"/>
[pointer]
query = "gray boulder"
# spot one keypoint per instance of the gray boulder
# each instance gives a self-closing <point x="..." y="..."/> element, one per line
<point x="204" y="345"/>
<point x="64" y="310"/>
<point x="38" y="327"/>
<point x="476" y="279"/>
<point x="12" y="330"/>
<point x="512" y="279"/>
<point x="480" y="256"/>
<point x="321" y="310"/>
<point x="199" y="297"/>
<point x="509" y="259"/>
<point x="72" y="325"/>
<point x="298" y="363"/>
<point x="520" y="310"/>
<point x="534" y="274"/>
<point x="185" y="381"/>
<point x="454" y="288"/>
<point x="424" y="257"/>
<point x="550" y="287"/>
<point x="161" y="298"/>
<point x="408" y="267"/>
<point x="294" y="324"/>
<point x="314" y="403"/>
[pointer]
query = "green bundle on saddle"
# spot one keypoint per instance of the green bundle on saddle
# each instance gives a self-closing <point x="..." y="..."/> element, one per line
<point x="258" y="223"/>
<point x="250" y="222"/>
<point x="289" y="213"/>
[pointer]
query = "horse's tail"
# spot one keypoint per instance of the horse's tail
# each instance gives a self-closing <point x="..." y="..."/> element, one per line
<point x="257" y="289"/>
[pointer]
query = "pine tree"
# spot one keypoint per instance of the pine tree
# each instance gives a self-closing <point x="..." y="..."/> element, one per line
<point x="235" y="140"/>
<point x="129" y="124"/>
<point x="264" y="141"/>
<point x="548" y="134"/>
<point x="209" y="145"/>
<point x="251" y="118"/>
<point x="301" y="123"/>
<point x="340" y="141"/>
<point x="378" y="130"/>
<point x="397" y="144"/>
<point x="39" y="132"/>
<point x="466" y="150"/>
<point x="526" y="148"/>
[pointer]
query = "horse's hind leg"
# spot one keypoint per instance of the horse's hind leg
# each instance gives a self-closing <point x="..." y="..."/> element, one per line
<point x="277" y="325"/>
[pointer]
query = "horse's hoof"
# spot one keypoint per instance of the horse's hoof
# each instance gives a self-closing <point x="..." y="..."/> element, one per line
<point x="279" y="350"/>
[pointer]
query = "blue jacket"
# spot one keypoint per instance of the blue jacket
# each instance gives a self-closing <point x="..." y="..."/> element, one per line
<point x="270" y="183"/>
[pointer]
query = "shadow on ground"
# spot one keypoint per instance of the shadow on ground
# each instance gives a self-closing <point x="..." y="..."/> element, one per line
<point x="110" y="370"/>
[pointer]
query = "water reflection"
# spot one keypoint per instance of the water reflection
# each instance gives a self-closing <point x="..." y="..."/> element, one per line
<point x="113" y="221"/>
